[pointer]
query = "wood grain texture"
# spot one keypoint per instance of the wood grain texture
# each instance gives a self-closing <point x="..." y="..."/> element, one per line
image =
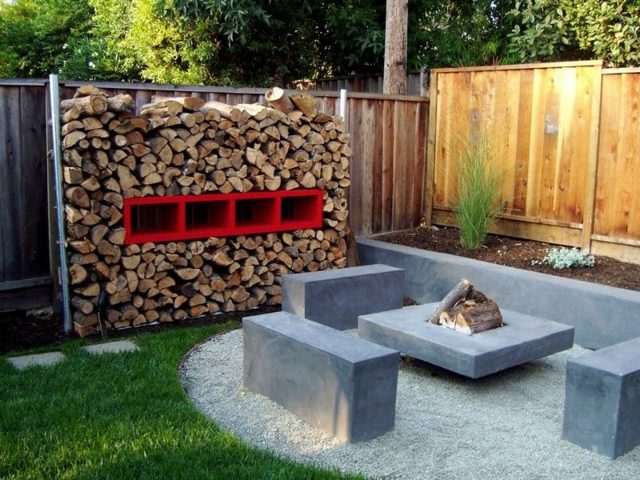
<point x="539" y="125"/>
<point x="34" y="231"/>
<point x="616" y="203"/>
<point x="13" y="265"/>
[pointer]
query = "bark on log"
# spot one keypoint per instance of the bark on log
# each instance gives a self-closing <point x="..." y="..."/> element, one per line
<point x="471" y="317"/>
<point x="278" y="99"/>
<point x="458" y="292"/>
<point x="221" y="148"/>
<point x="91" y="105"/>
<point x="188" y="103"/>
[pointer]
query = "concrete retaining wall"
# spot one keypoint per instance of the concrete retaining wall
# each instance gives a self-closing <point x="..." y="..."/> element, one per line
<point x="601" y="315"/>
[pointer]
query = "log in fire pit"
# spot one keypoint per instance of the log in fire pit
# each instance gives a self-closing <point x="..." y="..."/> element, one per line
<point x="467" y="310"/>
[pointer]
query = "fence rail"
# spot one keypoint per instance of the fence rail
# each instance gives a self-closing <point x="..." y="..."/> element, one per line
<point x="416" y="83"/>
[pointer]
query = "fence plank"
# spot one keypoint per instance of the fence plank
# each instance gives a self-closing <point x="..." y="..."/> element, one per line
<point x="4" y="209"/>
<point x="10" y="195"/>
<point x="523" y="138"/>
<point x="538" y="124"/>
<point x="616" y="211"/>
<point x="355" y="190"/>
<point x="387" y="165"/>
<point x="367" y="162"/>
<point x="592" y="157"/>
<point x="419" y="156"/>
<point x="33" y="173"/>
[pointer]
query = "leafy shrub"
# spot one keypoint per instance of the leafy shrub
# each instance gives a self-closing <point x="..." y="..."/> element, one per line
<point x="560" y="258"/>
<point x="547" y="30"/>
<point x="477" y="203"/>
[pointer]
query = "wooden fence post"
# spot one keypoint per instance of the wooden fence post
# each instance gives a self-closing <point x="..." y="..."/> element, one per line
<point x="592" y="163"/>
<point x="431" y="148"/>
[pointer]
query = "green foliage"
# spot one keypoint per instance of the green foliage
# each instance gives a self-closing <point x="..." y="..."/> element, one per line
<point x="608" y="30"/>
<point x="457" y="33"/>
<point x="541" y="32"/>
<point x="563" y="257"/>
<point x="477" y="203"/>
<point x="266" y="42"/>
<point x="123" y="416"/>
<point x="355" y="37"/>
<point x="38" y="37"/>
<point x="568" y="30"/>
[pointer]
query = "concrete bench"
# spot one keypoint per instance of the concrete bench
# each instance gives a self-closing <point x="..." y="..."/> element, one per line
<point x="602" y="401"/>
<point x="340" y="384"/>
<point x="337" y="297"/>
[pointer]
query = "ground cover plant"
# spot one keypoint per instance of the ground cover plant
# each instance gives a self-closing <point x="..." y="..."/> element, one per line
<point x="122" y="416"/>
<point x="560" y="258"/>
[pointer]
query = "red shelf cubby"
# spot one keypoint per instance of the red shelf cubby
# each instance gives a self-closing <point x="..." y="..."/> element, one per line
<point x="166" y="219"/>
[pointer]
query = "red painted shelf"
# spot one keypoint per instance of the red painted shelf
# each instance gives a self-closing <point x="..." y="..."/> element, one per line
<point x="188" y="217"/>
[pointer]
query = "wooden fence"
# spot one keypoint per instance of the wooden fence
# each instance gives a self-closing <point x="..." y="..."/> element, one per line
<point x="416" y="83"/>
<point x="388" y="138"/>
<point x="565" y="138"/>
<point x="24" y="239"/>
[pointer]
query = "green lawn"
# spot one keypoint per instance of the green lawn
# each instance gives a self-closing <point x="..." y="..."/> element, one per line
<point x="122" y="416"/>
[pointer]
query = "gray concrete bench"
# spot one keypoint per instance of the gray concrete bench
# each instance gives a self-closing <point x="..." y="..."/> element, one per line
<point x="341" y="384"/>
<point x="602" y="401"/>
<point x="337" y="297"/>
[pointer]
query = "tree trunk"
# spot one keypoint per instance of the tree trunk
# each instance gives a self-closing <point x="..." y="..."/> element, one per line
<point x="395" y="48"/>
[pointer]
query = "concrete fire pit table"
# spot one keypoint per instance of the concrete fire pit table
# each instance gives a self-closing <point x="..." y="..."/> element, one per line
<point x="522" y="339"/>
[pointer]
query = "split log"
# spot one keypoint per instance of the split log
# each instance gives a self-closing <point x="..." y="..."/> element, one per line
<point x="278" y="99"/>
<point x="306" y="104"/>
<point x="121" y="103"/>
<point x="188" y="103"/>
<point x="458" y="292"/>
<point x="472" y="317"/>
<point x="90" y="105"/>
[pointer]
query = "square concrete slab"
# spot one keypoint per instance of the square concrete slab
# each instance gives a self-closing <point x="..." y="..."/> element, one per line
<point x="42" y="359"/>
<point x="523" y="338"/>
<point x="112" y="347"/>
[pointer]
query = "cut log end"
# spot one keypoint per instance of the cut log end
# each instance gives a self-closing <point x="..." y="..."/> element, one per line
<point x="467" y="310"/>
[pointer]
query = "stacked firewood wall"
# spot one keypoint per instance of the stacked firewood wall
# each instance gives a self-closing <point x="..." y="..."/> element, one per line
<point x="183" y="146"/>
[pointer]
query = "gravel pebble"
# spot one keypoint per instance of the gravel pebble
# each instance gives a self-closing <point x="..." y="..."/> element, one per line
<point x="505" y="426"/>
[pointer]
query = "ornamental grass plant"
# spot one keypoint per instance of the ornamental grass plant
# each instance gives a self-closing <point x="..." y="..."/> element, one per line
<point x="478" y="189"/>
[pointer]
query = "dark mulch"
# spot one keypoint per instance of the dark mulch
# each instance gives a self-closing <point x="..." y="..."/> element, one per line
<point x="39" y="328"/>
<point x="24" y="330"/>
<point x="517" y="253"/>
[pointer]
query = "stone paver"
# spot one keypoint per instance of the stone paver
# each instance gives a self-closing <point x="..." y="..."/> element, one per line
<point x="112" y="347"/>
<point x="42" y="359"/>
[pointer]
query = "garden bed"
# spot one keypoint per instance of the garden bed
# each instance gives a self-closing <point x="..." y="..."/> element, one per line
<point x="514" y="252"/>
<point x="602" y="315"/>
